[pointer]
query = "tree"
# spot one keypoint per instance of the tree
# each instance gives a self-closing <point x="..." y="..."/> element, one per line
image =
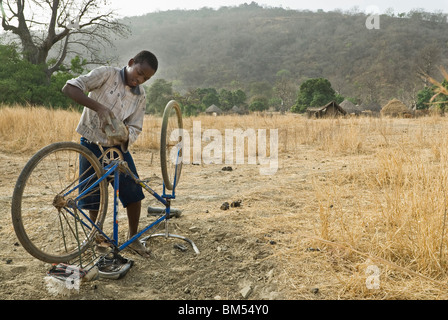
<point x="426" y="60"/>
<point x="314" y="93"/>
<point x="423" y="97"/>
<point x="259" y="103"/>
<point x="440" y="97"/>
<point x="21" y="82"/>
<point x="210" y="98"/>
<point x="158" y="95"/>
<point x="285" y="90"/>
<point x="66" y="27"/>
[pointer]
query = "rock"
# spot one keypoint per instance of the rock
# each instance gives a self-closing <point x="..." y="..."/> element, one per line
<point x="221" y="248"/>
<point x="194" y="229"/>
<point x="235" y="204"/>
<point x="246" y="291"/>
<point x="218" y="237"/>
<point x="227" y="168"/>
<point x="225" y="206"/>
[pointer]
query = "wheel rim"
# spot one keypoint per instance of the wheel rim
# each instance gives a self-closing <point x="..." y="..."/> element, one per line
<point x="172" y="145"/>
<point x="47" y="220"/>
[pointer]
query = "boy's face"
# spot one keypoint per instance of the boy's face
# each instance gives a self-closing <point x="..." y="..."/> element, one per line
<point x="138" y="73"/>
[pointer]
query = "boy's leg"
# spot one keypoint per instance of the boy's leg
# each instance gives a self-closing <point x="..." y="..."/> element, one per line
<point x="133" y="211"/>
<point x="93" y="214"/>
<point x="90" y="202"/>
<point x="131" y="196"/>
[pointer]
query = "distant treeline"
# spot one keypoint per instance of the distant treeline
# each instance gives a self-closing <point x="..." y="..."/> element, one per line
<point x="247" y="46"/>
<point x="258" y="58"/>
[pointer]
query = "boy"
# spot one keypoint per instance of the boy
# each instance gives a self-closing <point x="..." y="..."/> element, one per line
<point x="115" y="93"/>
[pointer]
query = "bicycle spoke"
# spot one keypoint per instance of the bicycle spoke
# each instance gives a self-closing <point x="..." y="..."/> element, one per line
<point x="45" y="217"/>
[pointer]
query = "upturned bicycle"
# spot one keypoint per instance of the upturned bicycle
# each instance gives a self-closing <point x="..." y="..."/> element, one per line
<point x="49" y="219"/>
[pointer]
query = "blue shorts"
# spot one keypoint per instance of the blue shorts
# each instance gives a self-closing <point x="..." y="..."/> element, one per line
<point x="129" y="191"/>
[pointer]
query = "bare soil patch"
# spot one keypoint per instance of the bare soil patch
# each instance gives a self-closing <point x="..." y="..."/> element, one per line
<point x="264" y="248"/>
<point x="238" y="246"/>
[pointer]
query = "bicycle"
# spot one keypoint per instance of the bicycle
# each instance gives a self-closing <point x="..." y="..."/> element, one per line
<point x="49" y="219"/>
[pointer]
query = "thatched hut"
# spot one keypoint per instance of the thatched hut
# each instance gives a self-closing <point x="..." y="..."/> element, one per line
<point x="350" y="107"/>
<point x="330" y="110"/>
<point x="213" y="110"/>
<point x="370" y="109"/>
<point x="236" y="110"/>
<point x="396" y="108"/>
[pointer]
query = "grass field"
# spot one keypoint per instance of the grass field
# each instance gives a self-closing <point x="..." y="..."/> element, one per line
<point x="384" y="203"/>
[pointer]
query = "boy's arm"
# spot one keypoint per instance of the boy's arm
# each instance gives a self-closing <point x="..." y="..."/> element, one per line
<point x="104" y="114"/>
<point x="135" y="121"/>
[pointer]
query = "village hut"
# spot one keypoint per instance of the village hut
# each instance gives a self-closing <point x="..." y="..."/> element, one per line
<point x="236" y="110"/>
<point x="330" y="110"/>
<point x="213" y="110"/>
<point x="395" y="108"/>
<point x="370" y="109"/>
<point x="350" y="107"/>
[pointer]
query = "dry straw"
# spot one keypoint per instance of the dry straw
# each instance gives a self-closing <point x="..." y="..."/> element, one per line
<point x="395" y="108"/>
<point x="381" y="195"/>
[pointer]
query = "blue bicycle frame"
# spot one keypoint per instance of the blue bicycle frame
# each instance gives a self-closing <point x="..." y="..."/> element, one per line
<point x="114" y="169"/>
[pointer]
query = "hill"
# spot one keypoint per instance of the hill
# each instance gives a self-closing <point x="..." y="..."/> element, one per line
<point x="240" y="46"/>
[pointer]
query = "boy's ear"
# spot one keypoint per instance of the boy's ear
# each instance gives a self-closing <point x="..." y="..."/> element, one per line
<point x="131" y="62"/>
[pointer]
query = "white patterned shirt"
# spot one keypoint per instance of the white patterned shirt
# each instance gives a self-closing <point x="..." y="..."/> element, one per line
<point x="107" y="86"/>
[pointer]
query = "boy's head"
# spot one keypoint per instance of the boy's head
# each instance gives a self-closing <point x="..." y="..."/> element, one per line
<point x="141" y="68"/>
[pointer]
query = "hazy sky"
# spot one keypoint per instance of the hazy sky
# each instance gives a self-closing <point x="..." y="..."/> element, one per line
<point x="139" y="7"/>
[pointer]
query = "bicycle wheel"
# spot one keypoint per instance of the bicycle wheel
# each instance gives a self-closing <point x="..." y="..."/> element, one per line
<point x="171" y="143"/>
<point x="46" y="209"/>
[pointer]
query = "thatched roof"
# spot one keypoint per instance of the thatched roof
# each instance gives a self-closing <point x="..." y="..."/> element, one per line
<point x="371" y="106"/>
<point x="395" y="108"/>
<point x="213" y="109"/>
<point x="350" y="107"/>
<point x="322" y="111"/>
<point x="235" y="109"/>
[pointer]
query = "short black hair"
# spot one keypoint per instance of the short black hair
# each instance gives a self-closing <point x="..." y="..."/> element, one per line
<point x="148" y="57"/>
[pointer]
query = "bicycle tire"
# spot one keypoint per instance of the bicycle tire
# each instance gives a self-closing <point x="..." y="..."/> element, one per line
<point x="171" y="149"/>
<point x="45" y="216"/>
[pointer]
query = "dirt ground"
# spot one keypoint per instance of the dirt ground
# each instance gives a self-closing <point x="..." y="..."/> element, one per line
<point x="243" y="250"/>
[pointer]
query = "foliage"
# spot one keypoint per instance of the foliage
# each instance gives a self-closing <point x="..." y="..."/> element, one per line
<point x="441" y="100"/>
<point x="259" y="103"/>
<point x="233" y="55"/>
<point x="194" y="101"/>
<point x="427" y="97"/>
<point x="158" y="95"/>
<point x="315" y="93"/>
<point x="250" y="44"/>
<point x="22" y="82"/>
<point x="423" y="98"/>
<point x="48" y="39"/>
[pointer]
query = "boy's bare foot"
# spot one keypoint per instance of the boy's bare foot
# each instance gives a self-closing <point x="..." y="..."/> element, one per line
<point x="140" y="249"/>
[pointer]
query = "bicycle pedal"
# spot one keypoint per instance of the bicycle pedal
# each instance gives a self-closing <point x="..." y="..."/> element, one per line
<point x="113" y="266"/>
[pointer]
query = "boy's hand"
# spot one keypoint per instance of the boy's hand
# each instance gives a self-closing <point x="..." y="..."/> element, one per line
<point x="117" y="132"/>
<point x="105" y="116"/>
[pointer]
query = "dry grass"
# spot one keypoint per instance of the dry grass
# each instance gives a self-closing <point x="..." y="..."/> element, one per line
<point x="383" y="204"/>
<point x="28" y="129"/>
